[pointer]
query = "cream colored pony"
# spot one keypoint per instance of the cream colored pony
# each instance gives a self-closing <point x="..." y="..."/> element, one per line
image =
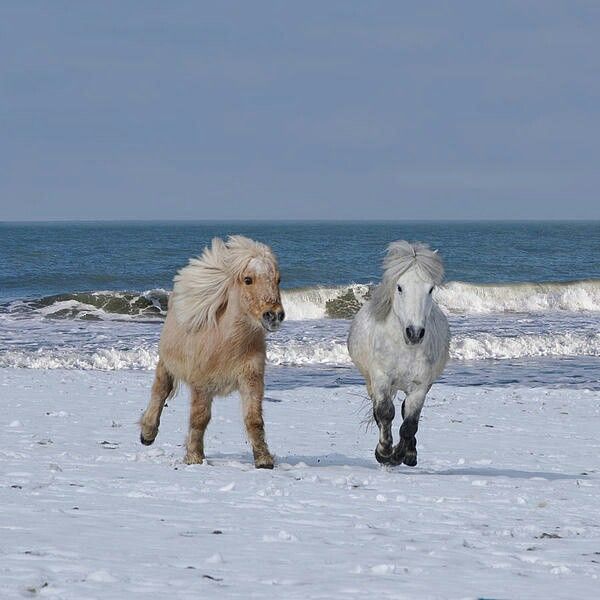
<point x="213" y="339"/>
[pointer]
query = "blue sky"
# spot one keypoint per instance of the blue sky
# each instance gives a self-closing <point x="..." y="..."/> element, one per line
<point x="281" y="110"/>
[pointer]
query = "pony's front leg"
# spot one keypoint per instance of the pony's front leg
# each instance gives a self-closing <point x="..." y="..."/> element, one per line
<point x="383" y="412"/>
<point x="252" y="391"/>
<point x="405" y="450"/>
<point x="162" y="388"/>
<point x="200" y="412"/>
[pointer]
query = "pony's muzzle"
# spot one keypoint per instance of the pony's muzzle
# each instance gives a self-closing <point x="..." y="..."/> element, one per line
<point x="272" y="319"/>
<point x="414" y="335"/>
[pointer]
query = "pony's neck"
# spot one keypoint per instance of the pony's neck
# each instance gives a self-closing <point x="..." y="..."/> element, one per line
<point x="235" y="323"/>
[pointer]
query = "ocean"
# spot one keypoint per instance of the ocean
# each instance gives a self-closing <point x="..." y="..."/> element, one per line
<point x="522" y="298"/>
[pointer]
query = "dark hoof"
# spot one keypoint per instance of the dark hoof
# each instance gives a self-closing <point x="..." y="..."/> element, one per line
<point x="397" y="456"/>
<point x="383" y="459"/>
<point x="264" y="465"/>
<point x="146" y="441"/>
<point x="410" y="459"/>
<point x="263" y="460"/>
<point x="405" y="452"/>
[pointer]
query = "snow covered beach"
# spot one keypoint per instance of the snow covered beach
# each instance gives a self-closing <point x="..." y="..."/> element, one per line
<point x="503" y="503"/>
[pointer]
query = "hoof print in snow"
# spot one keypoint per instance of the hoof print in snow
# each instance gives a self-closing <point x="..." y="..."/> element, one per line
<point x="109" y="445"/>
<point x="34" y="590"/>
<point x="549" y="536"/>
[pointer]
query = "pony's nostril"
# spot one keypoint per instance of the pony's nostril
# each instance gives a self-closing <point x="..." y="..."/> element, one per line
<point x="269" y="316"/>
<point x="281" y="315"/>
<point x="414" y="334"/>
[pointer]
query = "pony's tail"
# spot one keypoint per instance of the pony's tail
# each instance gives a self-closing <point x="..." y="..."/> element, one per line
<point x="174" y="389"/>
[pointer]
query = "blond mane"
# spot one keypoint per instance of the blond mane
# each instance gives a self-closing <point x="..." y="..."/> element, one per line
<point x="201" y="288"/>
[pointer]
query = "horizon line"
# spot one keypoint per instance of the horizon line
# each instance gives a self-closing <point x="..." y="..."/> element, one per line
<point x="291" y="221"/>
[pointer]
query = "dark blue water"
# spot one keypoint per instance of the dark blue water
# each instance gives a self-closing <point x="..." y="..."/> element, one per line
<point x="43" y="259"/>
<point x="511" y="334"/>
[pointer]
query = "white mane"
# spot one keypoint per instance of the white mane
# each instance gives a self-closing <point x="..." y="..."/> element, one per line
<point x="201" y="288"/>
<point x="402" y="256"/>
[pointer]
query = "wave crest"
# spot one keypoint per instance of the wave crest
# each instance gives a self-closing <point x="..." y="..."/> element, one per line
<point x="320" y="302"/>
<point x="104" y="305"/>
<point x="455" y="297"/>
<point x="470" y="298"/>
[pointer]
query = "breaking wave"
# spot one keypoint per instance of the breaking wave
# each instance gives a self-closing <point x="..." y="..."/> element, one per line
<point x="455" y="297"/>
<point x="470" y="298"/>
<point x="321" y="302"/>
<point x="479" y="346"/>
<point x="151" y="304"/>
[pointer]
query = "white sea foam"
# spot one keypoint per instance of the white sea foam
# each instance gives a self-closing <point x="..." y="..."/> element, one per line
<point x="297" y="353"/>
<point x="486" y="346"/>
<point x="465" y="347"/>
<point x="109" y="359"/>
<point x="479" y="346"/>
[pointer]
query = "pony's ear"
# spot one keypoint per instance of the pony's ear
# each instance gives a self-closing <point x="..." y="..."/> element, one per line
<point x="218" y="248"/>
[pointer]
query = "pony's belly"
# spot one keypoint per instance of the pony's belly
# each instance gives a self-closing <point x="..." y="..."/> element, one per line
<point x="214" y="379"/>
<point x="219" y="387"/>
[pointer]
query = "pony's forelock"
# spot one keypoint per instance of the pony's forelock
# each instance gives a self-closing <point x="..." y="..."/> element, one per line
<point x="201" y="288"/>
<point x="400" y="257"/>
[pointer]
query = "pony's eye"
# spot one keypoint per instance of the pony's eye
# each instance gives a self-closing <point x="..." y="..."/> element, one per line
<point x="248" y="280"/>
<point x="431" y="291"/>
<point x="400" y="288"/>
<point x="278" y="280"/>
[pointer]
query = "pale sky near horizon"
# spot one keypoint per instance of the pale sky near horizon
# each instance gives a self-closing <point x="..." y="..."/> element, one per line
<point x="310" y="110"/>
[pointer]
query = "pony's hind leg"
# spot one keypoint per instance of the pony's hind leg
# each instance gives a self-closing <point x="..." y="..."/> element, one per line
<point x="383" y="413"/>
<point x="406" y="449"/>
<point x="161" y="390"/>
<point x="200" y="412"/>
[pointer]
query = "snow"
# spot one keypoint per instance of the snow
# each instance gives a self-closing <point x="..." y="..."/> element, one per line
<point x="503" y="504"/>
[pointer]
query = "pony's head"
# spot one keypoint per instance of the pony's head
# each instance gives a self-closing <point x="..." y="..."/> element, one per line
<point x="411" y="272"/>
<point x="259" y="291"/>
<point x="239" y="270"/>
